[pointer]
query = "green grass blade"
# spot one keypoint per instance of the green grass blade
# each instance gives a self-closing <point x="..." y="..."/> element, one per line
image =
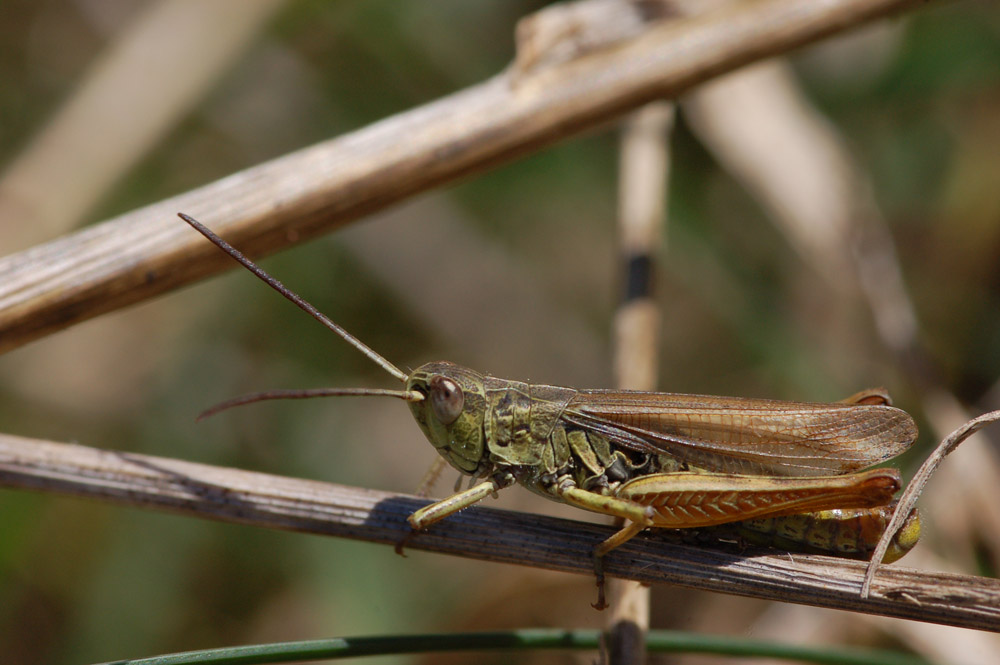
<point x="658" y="641"/>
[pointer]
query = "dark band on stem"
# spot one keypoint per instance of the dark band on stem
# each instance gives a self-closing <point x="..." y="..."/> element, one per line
<point x="638" y="277"/>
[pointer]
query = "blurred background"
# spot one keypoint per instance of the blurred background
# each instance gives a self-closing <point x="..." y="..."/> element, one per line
<point x="515" y="273"/>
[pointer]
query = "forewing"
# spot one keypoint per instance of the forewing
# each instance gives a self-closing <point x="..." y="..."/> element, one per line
<point x="747" y="436"/>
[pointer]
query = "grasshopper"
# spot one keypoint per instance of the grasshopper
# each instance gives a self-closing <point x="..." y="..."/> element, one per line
<point x="797" y="472"/>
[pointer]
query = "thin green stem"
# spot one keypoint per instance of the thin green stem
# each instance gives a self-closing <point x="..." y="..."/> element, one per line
<point x="658" y="641"/>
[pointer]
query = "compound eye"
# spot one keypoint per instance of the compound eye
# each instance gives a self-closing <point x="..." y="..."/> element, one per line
<point x="447" y="399"/>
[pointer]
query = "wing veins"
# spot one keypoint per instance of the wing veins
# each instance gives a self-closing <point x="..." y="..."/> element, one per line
<point x="747" y="436"/>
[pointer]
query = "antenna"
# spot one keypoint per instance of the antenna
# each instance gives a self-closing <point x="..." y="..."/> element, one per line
<point x="408" y="395"/>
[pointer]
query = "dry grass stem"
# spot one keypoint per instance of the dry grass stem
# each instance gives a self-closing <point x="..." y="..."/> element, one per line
<point x="309" y="506"/>
<point x="908" y="501"/>
<point x="146" y="252"/>
<point x="643" y="177"/>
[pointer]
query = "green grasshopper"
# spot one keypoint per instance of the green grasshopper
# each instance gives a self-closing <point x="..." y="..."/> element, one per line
<point x="798" y="472"/>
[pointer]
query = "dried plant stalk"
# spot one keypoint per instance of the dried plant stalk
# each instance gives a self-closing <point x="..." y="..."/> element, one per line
<point x="293" y="504"/>
<point x="644" y="165"/>
<point x="146" y="252"/>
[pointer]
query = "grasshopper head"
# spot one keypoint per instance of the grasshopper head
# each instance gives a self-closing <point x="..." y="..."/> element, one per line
<point x="451" y="413"/>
